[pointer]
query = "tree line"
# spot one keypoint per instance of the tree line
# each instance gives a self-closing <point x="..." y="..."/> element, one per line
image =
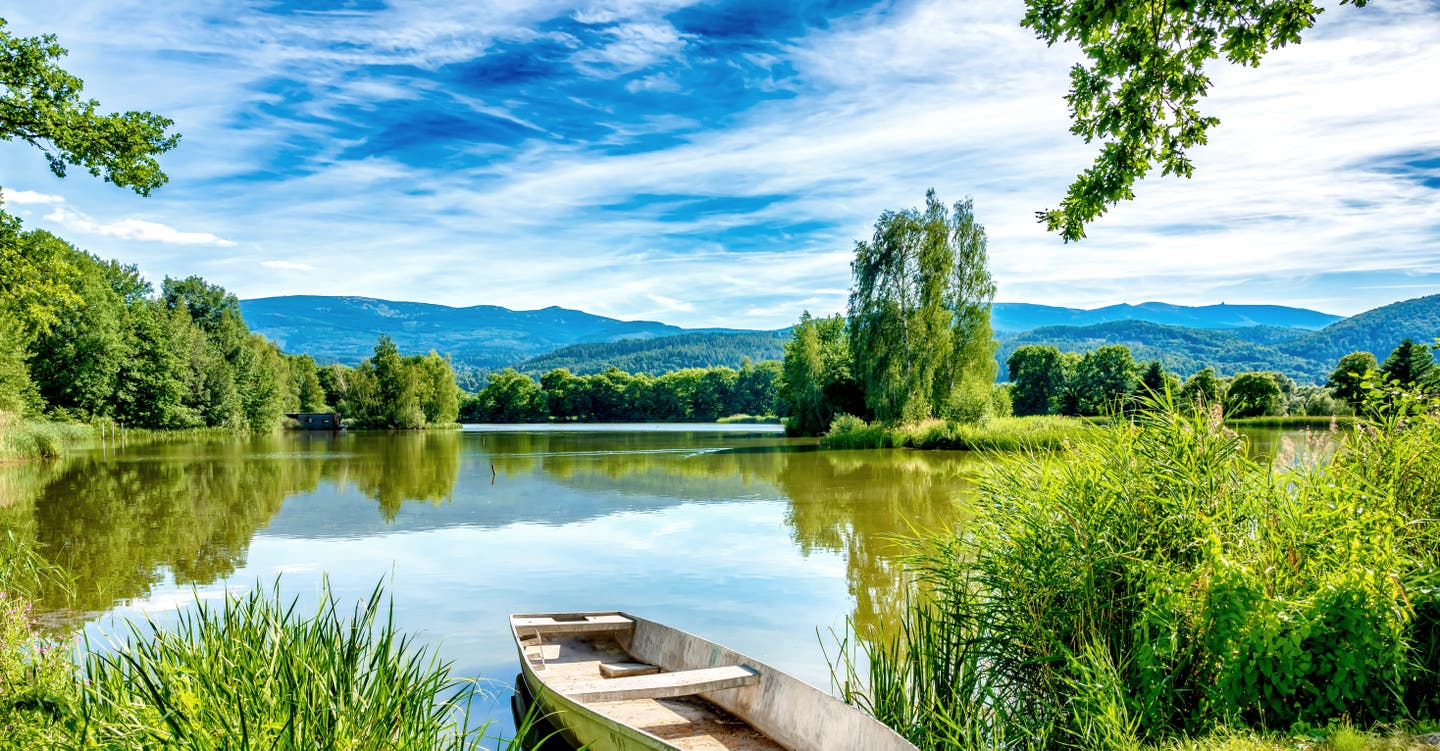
<point x="83" y="338"/>
<point x="1044" y="380"/>
<point x="689" y="395"/>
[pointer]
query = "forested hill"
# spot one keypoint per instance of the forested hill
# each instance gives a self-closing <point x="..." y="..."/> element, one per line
<point x="1013" y="317"/>
<point x="1182" y="350"/>
<point x="664" y="354"/>
<point x="343" y="329"/>
<point x="1307" y="356"/>
<point x="1375" y="331"/>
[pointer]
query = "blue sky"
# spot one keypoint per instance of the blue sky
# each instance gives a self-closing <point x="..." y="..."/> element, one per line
<point x="713" y="163"/>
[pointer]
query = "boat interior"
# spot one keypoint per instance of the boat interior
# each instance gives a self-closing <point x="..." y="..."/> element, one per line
<point x="585" y="657"/>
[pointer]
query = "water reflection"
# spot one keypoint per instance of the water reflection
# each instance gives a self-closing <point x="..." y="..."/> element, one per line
<point x="121" y="522"/>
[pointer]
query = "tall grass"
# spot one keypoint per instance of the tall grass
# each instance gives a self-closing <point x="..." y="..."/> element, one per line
<point x="1155" y="583"/>
<point x="21" y="438"/>
<point x="256" y="673"/>
<point x="1293" y="421"/>
<point x="1045" y="433"/>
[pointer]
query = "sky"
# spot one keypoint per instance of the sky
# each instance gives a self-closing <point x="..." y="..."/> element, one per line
<point x="714" y="163"/>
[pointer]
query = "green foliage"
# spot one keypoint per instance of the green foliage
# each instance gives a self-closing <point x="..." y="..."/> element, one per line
<point x="1140" y="89"/>
<point x="1038" y="376"/>
<point x="1154" y="582"/>
<point x="919" y="311"/>
<point x="1410" y="365"/>
<point x="816" y="383"/>
<point x="1253" y="395"/>
<point x="42" y="106"/>
<point x="1350" y="376"/>
<point x="695" y="395"/>
<point x="509" y="397"/>
<point x="256" y="669"/>
<point x="393" y="392"/>
<point x="1103" y="381"/>
<point x="662" y="354"/>
<point x="993" y="434"/>
<point x="36" y="680"/>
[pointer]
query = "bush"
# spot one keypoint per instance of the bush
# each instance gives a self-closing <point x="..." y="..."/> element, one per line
<point x="1155" y="582"/>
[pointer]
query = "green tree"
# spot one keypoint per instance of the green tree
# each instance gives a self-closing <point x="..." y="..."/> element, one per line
<point x="1253" y="395"/>
<point x="1104" y="380"/>
<point x="439" y="396"/>
<point x="1037" y="377"/>
<point x="1140" y="90"/>
<point x="1350" y="375"/>
<point x="42" y="106"/>
<point x="1409" y="364"/>
<point x="509" y="396"/>
<point x="816" y="383"/>
<point x="1202" y="389"/>
<point x="919" y="311"/>
<point x="308" y="388"/>
<point x="17" y="392"/>
<point x="397" y="388"/>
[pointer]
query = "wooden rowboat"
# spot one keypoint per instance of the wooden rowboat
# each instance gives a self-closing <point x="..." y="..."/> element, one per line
<point x="615" y="682"/>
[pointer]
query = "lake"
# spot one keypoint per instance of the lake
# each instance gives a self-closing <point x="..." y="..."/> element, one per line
<point x="735" y="533"/>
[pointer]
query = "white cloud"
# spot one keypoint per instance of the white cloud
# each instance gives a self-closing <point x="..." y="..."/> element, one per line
<point x="27" y="197"/>
<point x="133" y="229"/>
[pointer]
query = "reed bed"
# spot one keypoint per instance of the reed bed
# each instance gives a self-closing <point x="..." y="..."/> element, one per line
<point x="1155" y="585"/>
<point x="22" y="438"/>
<point x="254" y="672"/>
<point x="1045" y="433"/>
<point x="1319" y="422"/>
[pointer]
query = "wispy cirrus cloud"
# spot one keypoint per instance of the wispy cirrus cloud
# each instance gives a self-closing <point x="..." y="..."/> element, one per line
<point x="713" y="163"/>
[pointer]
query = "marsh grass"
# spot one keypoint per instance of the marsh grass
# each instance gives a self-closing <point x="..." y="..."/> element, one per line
<point x="1294" y="421"/>
<point x="22" y="438"/>
<point x="1154" y="583"/>
<point x="253" y="672"/>
<point x="1046" y="433"/>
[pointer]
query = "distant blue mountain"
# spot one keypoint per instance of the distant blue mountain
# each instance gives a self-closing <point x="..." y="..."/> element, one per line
<point x="344" y="329"/>
<point x="1015" y="317"/>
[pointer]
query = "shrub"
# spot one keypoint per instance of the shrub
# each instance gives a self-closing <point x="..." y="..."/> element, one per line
<point x="1155" y="582"/>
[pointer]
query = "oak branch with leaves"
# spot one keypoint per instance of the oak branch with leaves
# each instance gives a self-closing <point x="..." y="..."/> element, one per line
<point x="1140" y="89"/>
<point x="41" y="104"/>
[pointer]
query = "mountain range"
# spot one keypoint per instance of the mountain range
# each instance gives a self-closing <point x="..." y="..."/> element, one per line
<point x="1303" y="344"/>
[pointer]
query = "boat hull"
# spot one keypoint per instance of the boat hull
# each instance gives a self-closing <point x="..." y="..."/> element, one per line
<point x="753" y="706"/>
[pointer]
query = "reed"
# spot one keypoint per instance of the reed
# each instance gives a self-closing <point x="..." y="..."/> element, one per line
<point x="22" y="438"/>
<point x="1047" y="433"/>
<point x="1154" y="584"/>
<point x="253" y="672"/>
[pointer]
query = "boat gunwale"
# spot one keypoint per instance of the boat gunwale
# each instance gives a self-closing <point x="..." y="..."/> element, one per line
<point x="765" y="671"/>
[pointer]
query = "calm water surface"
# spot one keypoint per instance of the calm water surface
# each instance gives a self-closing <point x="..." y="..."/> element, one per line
<point x="733" y="532"/>
<point x="737" y="534"/>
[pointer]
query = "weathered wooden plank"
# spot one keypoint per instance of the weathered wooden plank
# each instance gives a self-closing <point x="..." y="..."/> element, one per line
<point x="626" y="669"/>
<point x="663" y="685"/>
<point x="590" y="625"/>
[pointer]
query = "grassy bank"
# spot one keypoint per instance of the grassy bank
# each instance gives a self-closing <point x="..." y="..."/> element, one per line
<point x="22" y="438"/>
<point x="1154" y="585"/>
<point x="996" y="434"/>
<point x="1314" y="422"/>
<point x="749" y="420"/>
<point x="254" y="671"/>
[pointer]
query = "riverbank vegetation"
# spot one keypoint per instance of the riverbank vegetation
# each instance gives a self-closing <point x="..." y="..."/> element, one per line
<point x="995" y="434"/>
<point x="253" y="671"/>
<point x="691" y="395"/>
<point x="1154" y="584"/>
<point x="1046" y="381"/>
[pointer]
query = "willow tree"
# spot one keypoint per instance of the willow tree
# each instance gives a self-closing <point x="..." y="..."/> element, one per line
<point x="919" y="313"/>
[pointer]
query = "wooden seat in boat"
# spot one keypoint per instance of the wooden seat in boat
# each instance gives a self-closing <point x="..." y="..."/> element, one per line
<point x="663" y="685"/>
<point x="593" y="624"/>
